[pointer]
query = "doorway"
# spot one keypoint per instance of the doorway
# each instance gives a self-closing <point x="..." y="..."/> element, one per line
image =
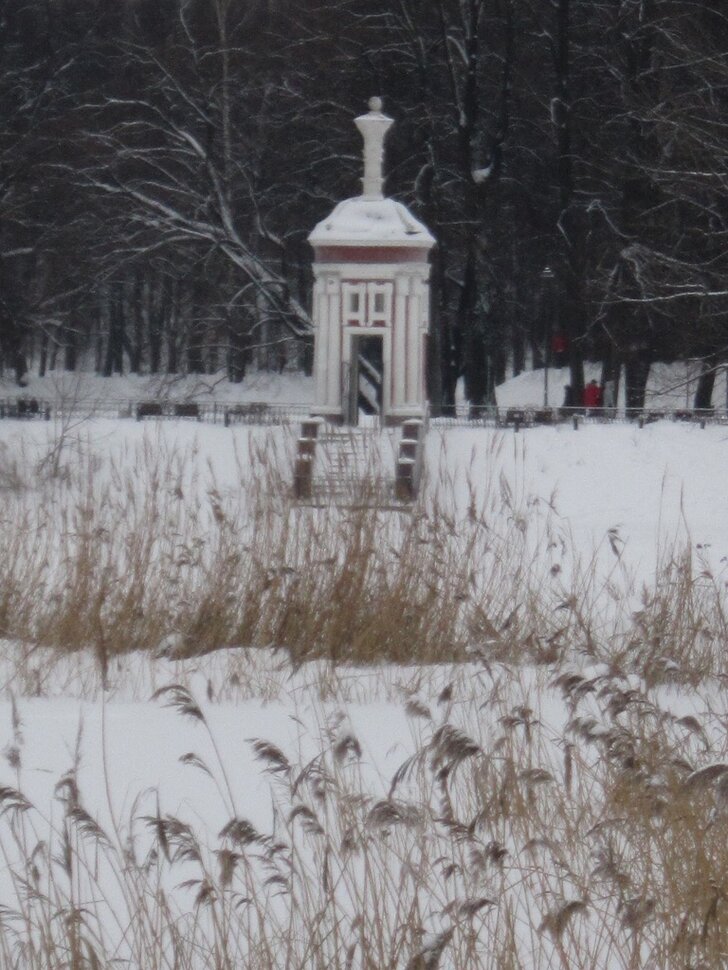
<point x="366" y="376"/>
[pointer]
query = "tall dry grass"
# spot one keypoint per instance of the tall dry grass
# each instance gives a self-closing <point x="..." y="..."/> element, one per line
<point x="559" y="807"/>
<point x="557" y="819"/>
<point x="143" y="549"/>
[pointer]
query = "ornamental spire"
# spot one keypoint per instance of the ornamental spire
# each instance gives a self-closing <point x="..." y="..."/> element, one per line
<point x="373" y="127"/>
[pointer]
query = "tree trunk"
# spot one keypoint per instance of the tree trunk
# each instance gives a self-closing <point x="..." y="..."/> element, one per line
<point x="139" y="309"/>
<point x="173" y="317"/>
<point x="114" y="359"/>
<point x="156" y="310"/>
<point x="636" y="372"/>
<point x="706" y="383"/>
<point x="43" y="354"/>
<point x="570" y="295"/>
<point x="518" y="348"/>
<point x="69" y="348"/>
<point x="195" y="331"/>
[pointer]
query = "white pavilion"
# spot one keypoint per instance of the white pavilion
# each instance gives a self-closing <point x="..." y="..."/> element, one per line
<point x="371" y="298"/>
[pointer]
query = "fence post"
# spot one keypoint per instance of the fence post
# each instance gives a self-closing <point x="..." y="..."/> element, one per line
<point x="404" y="482"/>
<point x="303" y="477"/>
<point x="409" y="460"/>
<point x="306" y="452"/>
<point x="310" y="428"/>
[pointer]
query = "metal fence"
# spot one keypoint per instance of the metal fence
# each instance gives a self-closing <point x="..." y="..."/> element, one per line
<point x="490" y="416"/>
<point x="263" y="413"/>
<point x="254" y="412"/>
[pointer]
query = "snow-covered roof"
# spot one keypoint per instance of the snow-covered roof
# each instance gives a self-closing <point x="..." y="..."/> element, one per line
<point x="371" y="222"/>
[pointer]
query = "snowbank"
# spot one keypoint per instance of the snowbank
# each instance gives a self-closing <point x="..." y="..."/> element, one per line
<point x="80" y="387"/>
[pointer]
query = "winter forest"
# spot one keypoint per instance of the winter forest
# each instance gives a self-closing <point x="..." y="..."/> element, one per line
<point x="162" y="162"/>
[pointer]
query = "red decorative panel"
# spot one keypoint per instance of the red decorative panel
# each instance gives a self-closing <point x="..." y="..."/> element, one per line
<point x="370" y="254"/>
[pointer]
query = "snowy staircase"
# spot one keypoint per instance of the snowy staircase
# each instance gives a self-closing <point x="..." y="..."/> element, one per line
<point x="352" y="467"/>
<point x="366" y="466"/>
<point x="342" y="453"/>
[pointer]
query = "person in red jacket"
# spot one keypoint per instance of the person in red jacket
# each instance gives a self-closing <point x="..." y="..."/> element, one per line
<point x="559" y="346"/>
<point x="592" y="396"/>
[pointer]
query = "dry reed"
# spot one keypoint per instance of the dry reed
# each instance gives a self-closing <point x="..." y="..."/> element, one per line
<point x="554" y="812"/>
<point x="145" y="551"/>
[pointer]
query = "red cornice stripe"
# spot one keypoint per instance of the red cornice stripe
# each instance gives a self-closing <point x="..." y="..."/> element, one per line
<point x="369" y="254"/>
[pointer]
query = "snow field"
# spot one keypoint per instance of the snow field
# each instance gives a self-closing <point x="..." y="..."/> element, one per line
<point x="556" y="801"/>
<point x="531" y="815"/>
<point x="669" y="386"/>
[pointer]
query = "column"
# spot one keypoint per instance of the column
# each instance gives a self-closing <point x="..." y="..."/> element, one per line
<point x="333" y="290"/>
<point x="321" y="341"/>
<point x="414" y="347"/>
<point x="399" y="341"/>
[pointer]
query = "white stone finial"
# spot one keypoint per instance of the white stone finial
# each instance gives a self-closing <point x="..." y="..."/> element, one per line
<point x="373" y="128"/>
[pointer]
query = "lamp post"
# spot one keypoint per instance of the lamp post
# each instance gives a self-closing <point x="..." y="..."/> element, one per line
<point x="547" y="275"/>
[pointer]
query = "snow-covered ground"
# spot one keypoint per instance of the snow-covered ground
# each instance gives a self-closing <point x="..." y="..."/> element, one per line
<point x="649" y="485"/>
<point x="313" y="756"/>
<point x="670" y="386"/>
<point x="83" y="387"/>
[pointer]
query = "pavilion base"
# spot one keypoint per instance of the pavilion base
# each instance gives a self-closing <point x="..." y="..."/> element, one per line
<point x="395" y="418"/>
<point x="392" y="419"/>
<point x="330" y="416"/>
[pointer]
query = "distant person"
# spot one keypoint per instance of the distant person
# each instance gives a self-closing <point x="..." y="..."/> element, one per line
<point x="592" y="398"/>
<point x="558" y="351"/>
